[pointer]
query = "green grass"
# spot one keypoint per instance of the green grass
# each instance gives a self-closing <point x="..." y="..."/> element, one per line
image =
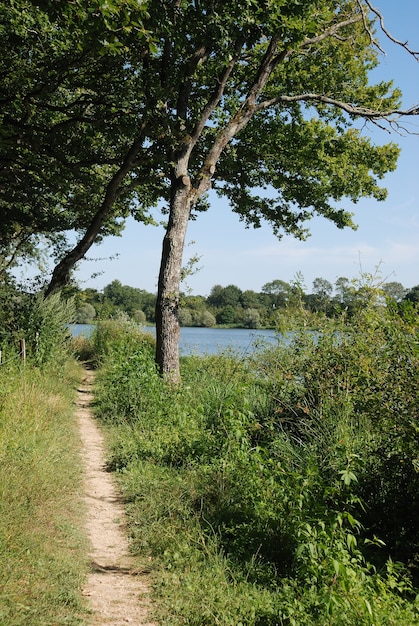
<point x="42" y="549"/>
<point x="259" y="488"/>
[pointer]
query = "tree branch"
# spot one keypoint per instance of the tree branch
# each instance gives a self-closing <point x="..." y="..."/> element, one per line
<point x="184" y="92"/>
<point x="249" y="107"/>
<point x="61" y="272"/>
<point x="330" y="32"/>
<point x="246" y="111"/>
<point x="387" y="33"/>
<point x="367" y="28"/>
<point x="353" y="110"/>
<point x="13" y="253"/>
<point x="216" y="96"/>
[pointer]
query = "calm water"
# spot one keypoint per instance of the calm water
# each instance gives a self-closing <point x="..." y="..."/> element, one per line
<point x="208" y="340"/>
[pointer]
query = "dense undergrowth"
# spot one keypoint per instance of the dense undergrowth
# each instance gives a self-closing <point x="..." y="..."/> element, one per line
<point x="42" y="552"/>
<point x="281" y="489"/>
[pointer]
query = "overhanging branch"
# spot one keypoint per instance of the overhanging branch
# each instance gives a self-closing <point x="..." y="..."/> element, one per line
<point x="403" y="44"/>
<point x="332" y="31"/>
<point x="61" y="272"/>
<point x="351" y="109"/>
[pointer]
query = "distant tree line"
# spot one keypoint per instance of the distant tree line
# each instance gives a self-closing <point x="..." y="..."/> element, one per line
<point x="230" y="306"/>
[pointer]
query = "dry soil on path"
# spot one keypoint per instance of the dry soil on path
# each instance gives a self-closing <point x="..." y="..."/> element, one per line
<point x="117" y="594"/>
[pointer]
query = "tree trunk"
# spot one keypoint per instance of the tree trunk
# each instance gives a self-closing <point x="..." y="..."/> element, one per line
<point x="167" y="305"/>
<point x="61" y="273"/>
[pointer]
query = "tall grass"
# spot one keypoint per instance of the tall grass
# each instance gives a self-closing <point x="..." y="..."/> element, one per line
<point x="280" y="490"/>
<point x="42" y="562"/>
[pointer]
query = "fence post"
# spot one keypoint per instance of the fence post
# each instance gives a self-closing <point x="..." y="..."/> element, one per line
<point x="0" y="357"/>
<point x="22" y="352"/>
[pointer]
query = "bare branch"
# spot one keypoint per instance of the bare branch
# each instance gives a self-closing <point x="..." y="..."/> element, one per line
<point x="389" y="118"/>
<point x="372" y="115"/>
<point x="403" y="44"/>
<point x="367" y="28"/>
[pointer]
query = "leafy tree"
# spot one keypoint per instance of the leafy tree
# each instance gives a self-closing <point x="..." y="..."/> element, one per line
<point x="279" y="290"/>
<point x="206" y="319"/>
<point x="139" y="316"/>
<point x="225" y="296"/>
<point x="92" y="296"/>
<point x="227" y="315"/>
<point x="258" y="100"/>
<point x="195" y="303"/>
<point x="322" y="295"/>
<point x="11" y="302"/>
<point x="322" y="288"/>
<point x="265" y="96"/>
<point x="126" y="298"/>
<point x="215" y="296"/>
<point x="412" y="295"/>
<point x="185" y="317"/>
<point x="343" y="289"/>
<point x="114" y="292"/>
<point x="394" y="290"/>
<point x="65" y="145"/>
<point x="251" y="318"/>
<point x="249" y="299"/>
<point x="231" y="295"/>
<point x="85" y="313"/>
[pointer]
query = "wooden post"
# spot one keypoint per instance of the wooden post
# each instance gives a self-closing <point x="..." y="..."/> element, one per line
<point x="0" y="357"/>
<point x="22" y="352"/>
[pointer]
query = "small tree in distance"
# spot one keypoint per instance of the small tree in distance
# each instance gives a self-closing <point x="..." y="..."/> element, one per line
<point x="85" y="314"/>
<point x="413" y="295"/>
<point x="394" y="290"/>
<point x="251" y="318"/>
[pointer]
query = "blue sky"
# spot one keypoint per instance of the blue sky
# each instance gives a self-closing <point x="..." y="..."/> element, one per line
<point x="387" y="235"/>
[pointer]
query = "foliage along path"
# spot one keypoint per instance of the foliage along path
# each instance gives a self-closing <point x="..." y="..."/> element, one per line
<point x="117" y="593"/>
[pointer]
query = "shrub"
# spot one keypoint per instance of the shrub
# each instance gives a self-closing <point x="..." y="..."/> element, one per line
<point x="277" y="478"/>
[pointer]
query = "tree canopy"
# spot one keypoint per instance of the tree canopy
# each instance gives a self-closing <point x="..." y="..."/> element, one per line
<point x="118" y="106"/>
<point x="63" y="138"/>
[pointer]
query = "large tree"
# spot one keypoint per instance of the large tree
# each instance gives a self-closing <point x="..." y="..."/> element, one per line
<point x="259" y="99"/>
<point x="261" y="102"/>
<point x="65" y="145"/>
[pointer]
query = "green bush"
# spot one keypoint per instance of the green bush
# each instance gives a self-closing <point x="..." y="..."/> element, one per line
<point x="268" y="489"/>
<point x="42" y="323"/>
<point x="351" y="391"/>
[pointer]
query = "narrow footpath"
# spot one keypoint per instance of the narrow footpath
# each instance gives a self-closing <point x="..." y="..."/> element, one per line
<point x="117" y="594"/>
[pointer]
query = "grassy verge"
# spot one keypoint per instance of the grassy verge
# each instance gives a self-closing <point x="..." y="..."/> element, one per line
<point x="269" y="491"/>
<point x="42" y="562"/>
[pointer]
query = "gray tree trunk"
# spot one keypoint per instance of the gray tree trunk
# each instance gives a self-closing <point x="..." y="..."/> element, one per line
<point x="167" y="305"/>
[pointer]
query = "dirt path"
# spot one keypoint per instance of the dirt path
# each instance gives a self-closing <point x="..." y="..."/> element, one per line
<point x="117" y="594"/>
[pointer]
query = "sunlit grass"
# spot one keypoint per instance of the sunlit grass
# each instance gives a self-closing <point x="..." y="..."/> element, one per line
<point x="42" y="561"/>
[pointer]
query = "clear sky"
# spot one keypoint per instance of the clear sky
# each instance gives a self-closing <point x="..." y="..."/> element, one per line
<point x="387" y="235"/>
